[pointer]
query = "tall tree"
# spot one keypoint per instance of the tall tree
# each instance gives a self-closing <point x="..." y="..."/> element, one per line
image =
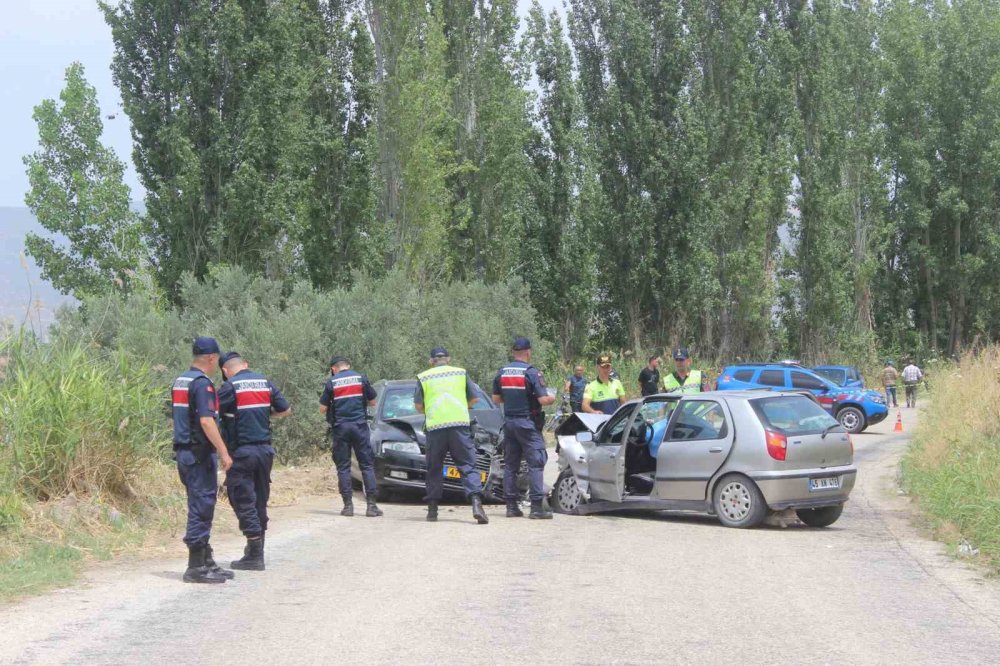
<point x="78" y="192"/>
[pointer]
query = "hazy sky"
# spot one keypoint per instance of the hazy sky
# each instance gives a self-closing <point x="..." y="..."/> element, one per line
<point x="38" y="40"/>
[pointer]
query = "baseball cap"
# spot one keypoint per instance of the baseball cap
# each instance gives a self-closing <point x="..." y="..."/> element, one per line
<point x="521" y="343"/>
<point x="681" y="354"/>
<point x="604" y="360"/>
<point x="204" y="345"/>
<point x="338" y="359"/>
<point x="227" y="357"/>
<point x="439" y="352"/>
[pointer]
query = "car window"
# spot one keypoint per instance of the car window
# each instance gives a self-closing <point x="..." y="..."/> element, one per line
<point x="398" y="404"/>
<point x="699" y="420"/>
<point x="657" y="410"/>
<point x="793" y="415"/>
<point x="485" y="403"/>
<point x="805" y="381"/>
<point x="772" y="378"/>
<point x="854" y="375"/>
<point x="838" y="377"/>
<point x="743" y="375"/>
<point x="615" y="428"/>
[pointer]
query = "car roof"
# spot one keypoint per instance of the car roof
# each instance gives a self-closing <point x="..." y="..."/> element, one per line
<point x="743" y="394"/>
<point x="390" y="383"/>
<point x="833" y="367"/>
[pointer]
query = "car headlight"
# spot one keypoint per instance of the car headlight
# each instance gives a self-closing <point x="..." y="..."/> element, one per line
<point x="877" y="399"/>
<point x="402" y="447"/>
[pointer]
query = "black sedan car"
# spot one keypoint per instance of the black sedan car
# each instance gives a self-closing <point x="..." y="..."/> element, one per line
<point x="399" y="443"/>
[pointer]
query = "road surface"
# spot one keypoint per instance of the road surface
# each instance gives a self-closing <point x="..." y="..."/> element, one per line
<point x="653" y="589"/>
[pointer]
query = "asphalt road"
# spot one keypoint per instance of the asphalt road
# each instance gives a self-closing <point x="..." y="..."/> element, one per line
<point x="593" y="590"/>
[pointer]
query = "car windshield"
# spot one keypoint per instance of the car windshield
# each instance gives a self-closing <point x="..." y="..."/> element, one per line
<point x="398" y="402"/>
<point x="838" y="377"/>
<point x="793" y="415"/>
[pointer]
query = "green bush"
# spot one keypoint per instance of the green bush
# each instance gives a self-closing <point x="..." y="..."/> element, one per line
<point x="73" y="421"/>
<point x="387" y="326"/>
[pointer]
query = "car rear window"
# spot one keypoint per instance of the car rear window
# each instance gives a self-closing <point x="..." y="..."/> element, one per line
<point x="772" y="378"/>
<point x="792" y="415"/>
<point x="804" y="381"/>
<point x="743" y="375"/>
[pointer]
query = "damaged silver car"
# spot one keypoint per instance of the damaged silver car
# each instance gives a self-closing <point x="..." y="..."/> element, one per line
<point x="737" y="455"/>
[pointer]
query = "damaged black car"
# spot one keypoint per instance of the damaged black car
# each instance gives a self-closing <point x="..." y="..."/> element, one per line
<point x="399" y="443"/>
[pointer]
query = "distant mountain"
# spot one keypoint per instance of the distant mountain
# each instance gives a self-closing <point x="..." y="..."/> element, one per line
<point x="19" y="287"/>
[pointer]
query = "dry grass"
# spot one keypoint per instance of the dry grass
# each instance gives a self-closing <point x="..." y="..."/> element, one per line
<point x="953" y="465"/>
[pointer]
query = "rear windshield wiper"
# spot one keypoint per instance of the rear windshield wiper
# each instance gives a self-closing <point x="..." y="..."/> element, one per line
<point x="828" y="429"/>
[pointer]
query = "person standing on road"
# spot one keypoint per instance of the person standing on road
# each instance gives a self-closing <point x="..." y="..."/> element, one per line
<point x="198" y="447"/>
<point x="247" y="401"/>
<point x="683" y="379"/>
<point x="911" y="377"/>
<point x="575" y="385"/>
<point x="345" y="401"/>
<point x="889" y="379"/>
<point x="649" y="377"/>
<point x="520" y="388"/>
<point x="603" y="395"/>
<point x="444" y="394"/>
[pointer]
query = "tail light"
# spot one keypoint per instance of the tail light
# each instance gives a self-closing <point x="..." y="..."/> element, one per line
<point x="777" y="444"/>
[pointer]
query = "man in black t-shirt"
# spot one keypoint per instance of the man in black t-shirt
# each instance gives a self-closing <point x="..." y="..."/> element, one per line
<point x="649" y="377"/>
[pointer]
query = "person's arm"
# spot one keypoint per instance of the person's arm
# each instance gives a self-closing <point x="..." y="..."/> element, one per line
<point x="279" y="405"/>
<point x="497" y="393"/>
<point x="566" y="386"/>
<point x="470" y="392"/>
<point x="205" y="405"/>
<point x="324" y="400"/>
<point x="418" y="397"/>
<point x="541" y="393"/>
<point x="369" y="391"/>
<point x="621" y="394"/>
<point x="587" y="397"/>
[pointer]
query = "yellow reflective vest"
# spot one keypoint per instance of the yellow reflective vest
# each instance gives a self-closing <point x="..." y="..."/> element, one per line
<point x="692" y="383"/>
<point x="445" y="401"/>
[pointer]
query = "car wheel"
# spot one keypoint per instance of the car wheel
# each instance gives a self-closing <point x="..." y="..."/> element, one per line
<point x="566" y="496"/>
<point x="822" y="517"/>
<point x="852" y="418"/>
<point x="738" y="502"/>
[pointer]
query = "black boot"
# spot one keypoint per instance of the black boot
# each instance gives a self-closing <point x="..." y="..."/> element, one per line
<point x="197" y="572"/>
<point x="348" y="509"/>
<point x="513" y="510"/>
<point x="373" y="510"/>
<point x="432" y="511"/>
<point x="477" y="509"/>
<point x="253" y="556"/>
<point x="538" y="511"/>
<point x="213" y="566"/>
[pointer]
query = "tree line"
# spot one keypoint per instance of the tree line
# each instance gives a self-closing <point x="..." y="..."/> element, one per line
<point x="814" y="178"/>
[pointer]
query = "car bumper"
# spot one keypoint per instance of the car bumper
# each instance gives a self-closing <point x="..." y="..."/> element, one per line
<point x="877" y="417"/>
<point x="397" y="470"/>
<point x="790" y="490"/>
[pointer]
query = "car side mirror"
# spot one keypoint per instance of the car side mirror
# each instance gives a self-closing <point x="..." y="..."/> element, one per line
<point x="584" y="436"/>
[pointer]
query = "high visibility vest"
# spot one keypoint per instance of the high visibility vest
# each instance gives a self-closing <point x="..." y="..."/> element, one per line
<point x="692" y="384"/>
<point x="445" y="401"/>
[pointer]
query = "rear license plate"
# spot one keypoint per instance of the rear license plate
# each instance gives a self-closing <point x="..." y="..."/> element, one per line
<point x="453" y="473"/>
<point x="826" y="483"/>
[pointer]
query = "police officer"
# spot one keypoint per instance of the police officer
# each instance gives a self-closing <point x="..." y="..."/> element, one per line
<point x="197" y="442"/>
<point x="520" y="388"/>
<point x="345" y="401"/>
<point x="444" y="394"/>
<point x="247" y="401"/>
<point x="605" y="394"/>
<point x="683" y="379"/>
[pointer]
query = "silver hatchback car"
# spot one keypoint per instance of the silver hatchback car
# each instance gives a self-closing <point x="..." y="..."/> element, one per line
<point x="734" y="454"/>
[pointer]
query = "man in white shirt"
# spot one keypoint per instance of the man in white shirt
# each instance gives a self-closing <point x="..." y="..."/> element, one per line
<point x="911" y="376"/>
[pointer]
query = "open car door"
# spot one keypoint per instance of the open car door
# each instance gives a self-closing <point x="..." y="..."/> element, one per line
<point x="606" y="458"/>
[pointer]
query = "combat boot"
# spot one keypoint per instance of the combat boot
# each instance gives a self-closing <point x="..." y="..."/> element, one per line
<point x="432" y="511"/>
<point x="477" y="509"/>
<point x="197" y="572"/>
<point x="253" y="556"/>
<point x="348" y="509"/>
<point x="538" y="511"/>
<point x="513" y="510"/>
<point x="213" y="566"/>
<point x="373" y="510"/>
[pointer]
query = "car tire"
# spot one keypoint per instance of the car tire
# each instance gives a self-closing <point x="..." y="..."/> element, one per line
<point x="821" y="517"/>
<point x="566" y="496"/>
<point x="853" y="419"/>
<point x="738" y="502"/>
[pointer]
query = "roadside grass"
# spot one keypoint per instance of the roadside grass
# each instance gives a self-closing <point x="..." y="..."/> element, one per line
<point x="952" y="466"/>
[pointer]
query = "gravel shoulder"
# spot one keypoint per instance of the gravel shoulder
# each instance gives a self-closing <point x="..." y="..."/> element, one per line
<point x="652" y="588"/>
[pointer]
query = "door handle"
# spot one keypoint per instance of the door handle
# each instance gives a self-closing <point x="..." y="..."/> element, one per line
<point x="715" y="449"/>
<point x="612" y="455"/>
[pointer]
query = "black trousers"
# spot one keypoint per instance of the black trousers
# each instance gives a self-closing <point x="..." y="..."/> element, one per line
<point x="248" y="483"/>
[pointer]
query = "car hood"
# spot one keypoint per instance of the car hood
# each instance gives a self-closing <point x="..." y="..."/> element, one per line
<point x="580" y="421"/>
<point x="412" y="427"/>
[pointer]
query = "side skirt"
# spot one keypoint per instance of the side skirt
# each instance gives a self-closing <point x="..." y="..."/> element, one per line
<point x="643" y="504"/>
